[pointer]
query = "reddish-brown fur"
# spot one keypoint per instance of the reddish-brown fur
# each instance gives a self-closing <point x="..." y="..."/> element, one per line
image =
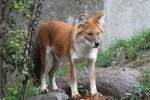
<point x="55" y="34"/>
<point x="61" y="37"/>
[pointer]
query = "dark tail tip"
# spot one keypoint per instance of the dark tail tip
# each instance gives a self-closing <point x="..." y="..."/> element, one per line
<point x="37" y="65"/>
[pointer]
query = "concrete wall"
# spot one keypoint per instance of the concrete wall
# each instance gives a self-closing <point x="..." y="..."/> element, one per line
<point x="124" y="18"/>
<point x="67" y="10"/>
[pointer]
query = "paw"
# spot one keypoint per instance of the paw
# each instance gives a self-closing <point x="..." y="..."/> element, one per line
<point x="97" y="94"/>
<point x="76" y="97"/>
<point x="44" y="91"/>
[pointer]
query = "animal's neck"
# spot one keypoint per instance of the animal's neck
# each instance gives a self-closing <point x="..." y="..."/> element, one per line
<point x="81" y="47"/>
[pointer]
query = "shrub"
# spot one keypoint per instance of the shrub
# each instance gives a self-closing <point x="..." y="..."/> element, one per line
<point x="131" y="48"/>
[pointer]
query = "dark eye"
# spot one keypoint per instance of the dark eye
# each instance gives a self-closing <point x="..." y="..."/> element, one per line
<point x="90" y="34"/>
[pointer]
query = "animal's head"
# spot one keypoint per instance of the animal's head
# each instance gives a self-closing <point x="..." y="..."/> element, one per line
<point x="90" y="29"/>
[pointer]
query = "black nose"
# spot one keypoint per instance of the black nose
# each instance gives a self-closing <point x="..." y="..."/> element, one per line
<point x="96" y="44"/>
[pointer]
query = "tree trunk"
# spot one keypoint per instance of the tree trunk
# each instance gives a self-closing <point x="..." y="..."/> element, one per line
<point x="4" y="12"/>
<point x="36" y="12"/>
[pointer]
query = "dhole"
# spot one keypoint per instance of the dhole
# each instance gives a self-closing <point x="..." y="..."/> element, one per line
<point x="57" y="42"/>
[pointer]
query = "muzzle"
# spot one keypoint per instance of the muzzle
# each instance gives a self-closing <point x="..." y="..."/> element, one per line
<point x="96" y="45"/>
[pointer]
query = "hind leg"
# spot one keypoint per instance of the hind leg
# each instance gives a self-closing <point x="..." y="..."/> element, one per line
<point x="51" y="74"/>
<point x="54" y="68"/>
<point x="45" y="64"/>
<point x="43" y="87"/>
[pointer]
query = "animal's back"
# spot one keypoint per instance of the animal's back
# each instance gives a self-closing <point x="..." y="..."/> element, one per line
<point x="56" y="34"/>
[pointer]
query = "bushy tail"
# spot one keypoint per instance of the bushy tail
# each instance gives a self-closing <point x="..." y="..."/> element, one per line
<point x="36" y="63"/>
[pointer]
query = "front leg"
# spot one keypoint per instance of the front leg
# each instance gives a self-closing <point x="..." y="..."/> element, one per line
<point x="92" y="77"/>
<point x="73" y="80"/>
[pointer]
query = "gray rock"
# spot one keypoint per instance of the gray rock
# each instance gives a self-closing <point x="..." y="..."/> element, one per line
<point x="50" y="96"/>
<point x="117" y="81"/>
<point x="111" y="81"/>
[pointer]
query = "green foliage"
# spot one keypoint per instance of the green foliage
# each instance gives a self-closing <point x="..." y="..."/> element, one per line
<point x="13" y="93"/>
<point x="131" y="48"/>
<point x="22" y="7"/>
<point x="14" y="48"/>
<point x="146" y="81"/>
<point x="64" y="70"/>
<point x="139" y="92"/>
<point x="14" y="52"/>
<point x="104" y="58"/>
<point x="15" y="39"/>
<point x="31" y="89"/>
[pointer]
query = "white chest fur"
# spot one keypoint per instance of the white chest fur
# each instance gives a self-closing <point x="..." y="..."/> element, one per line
<point x="83" y="51"/>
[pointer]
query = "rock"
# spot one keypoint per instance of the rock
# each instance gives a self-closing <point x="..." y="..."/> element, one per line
<point x="62" y="96"/>
<point x="50" y="96"/>
<point x="114" y="82"/>
<point x="117" y="81"/>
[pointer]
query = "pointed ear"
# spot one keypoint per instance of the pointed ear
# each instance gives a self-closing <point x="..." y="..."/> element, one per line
<point x="98" y="16"/>
<point x="81" y="19"/>
<point x="102" y="20"/>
